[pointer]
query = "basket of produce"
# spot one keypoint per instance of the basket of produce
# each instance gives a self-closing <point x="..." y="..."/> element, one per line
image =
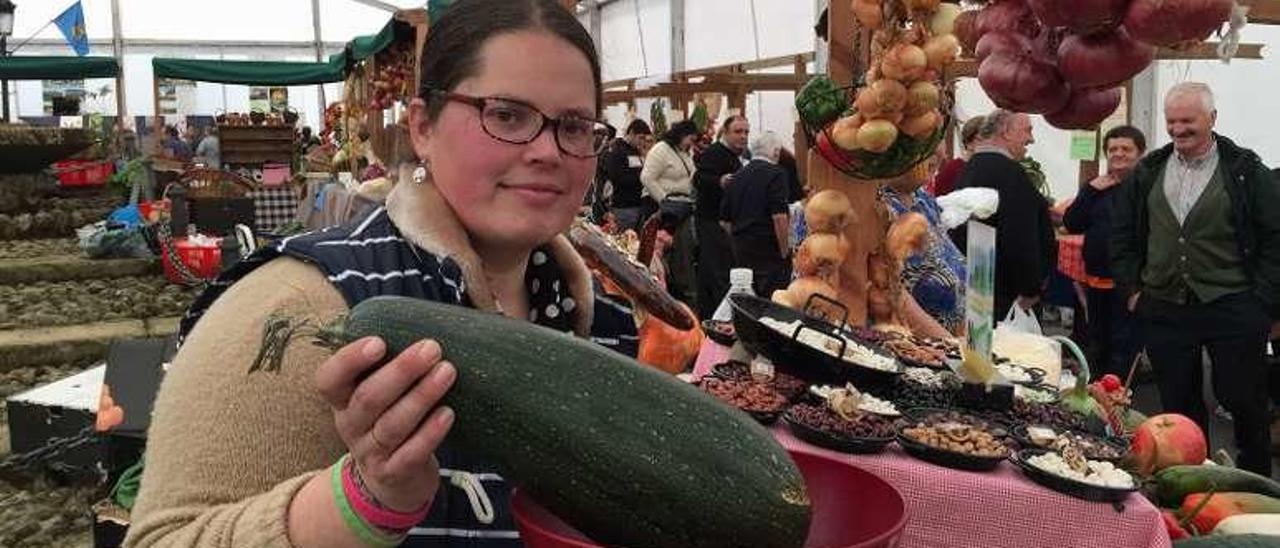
<point x="758" y="399"/>
<point x="789" y="386"/>
<point x="851" y="508"/>
<point x="1094" y="447"/>
<point x="866" y="149"/>
<point x="30" y="149"/>
<point x="1074" y="475"/>
<point x="953" y="440"/>
<point x="807" y="347"/>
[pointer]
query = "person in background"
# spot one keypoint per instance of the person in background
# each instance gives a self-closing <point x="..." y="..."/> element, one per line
<point x="667" y="177"/>
<point x="621" y="166"/>
<point x="174" y="146"/>
<point x="787" y="161"/>
<point x="949" y="174"/>
<point x="306" y="141"/>
<point x="716" y="166"/>
<point x="1195" y="251"/>
<point x="755" y="214"/>
<point x="1111" y="341"/>
<point x="1026" y="248"/>
<point x="934" y="277"/>
<point x="209" y="150"/>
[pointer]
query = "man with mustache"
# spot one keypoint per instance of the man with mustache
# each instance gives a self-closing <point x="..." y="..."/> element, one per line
<point x="1195" y="248"/>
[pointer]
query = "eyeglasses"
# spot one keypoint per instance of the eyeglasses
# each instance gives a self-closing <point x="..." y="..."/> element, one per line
<point x="519" y="123"/>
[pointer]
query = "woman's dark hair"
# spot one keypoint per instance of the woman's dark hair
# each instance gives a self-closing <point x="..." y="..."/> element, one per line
<point x="1126" y="132"/>
<point x="969" y="131"/>
<point x="678" y="132"/>
<point x="639" y="127"/>
<point x="452" y="51"/>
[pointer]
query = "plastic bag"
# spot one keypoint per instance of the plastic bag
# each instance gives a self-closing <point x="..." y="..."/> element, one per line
<point x="1022" y="320"/>
<point x="103" y="240"/>
<point x="960" y="205"/>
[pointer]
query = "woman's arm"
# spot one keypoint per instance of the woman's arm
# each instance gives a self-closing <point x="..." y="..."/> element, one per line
<point x="239" y="459"/>
<point x="655" y="165"/>
<point x="920" y="322"/>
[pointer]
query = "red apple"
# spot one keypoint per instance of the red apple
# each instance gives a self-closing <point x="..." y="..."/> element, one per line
<point x="1166" y="440"/>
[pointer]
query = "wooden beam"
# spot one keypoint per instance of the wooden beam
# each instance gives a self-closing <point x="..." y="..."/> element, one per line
<point x="772" y="62"/>
<point x="1263" y="12"/>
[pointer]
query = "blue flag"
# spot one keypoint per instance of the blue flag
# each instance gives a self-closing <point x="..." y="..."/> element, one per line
<point x="71" y="23"/>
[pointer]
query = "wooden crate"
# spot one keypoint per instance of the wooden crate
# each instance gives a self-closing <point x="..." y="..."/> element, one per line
<point x="255" y="144"/>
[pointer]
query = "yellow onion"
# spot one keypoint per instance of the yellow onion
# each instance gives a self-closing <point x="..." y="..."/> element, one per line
<point x="923" y="96"/>
<point x="844" y="133"/>
<point x="921" y="126"/>
<point x="904" y="62"/>
<point x="890" y="95"/>
<point x="877" y="135"/>
<point x="944" y="21"/>
<point x="942" y="50"/>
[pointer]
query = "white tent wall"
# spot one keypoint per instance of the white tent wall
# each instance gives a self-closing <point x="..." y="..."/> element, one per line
<point x="1241" y="89"/>
<point x="717" y="32"/>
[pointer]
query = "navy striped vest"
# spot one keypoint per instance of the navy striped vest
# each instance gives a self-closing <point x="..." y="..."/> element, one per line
<point x="370" y="258"/>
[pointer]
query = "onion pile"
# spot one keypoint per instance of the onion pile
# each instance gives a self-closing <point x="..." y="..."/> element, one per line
<point x="1065" y="58"/>
<point x="913" y="43"/>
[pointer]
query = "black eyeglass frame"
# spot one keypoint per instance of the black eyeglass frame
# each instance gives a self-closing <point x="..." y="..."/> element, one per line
<point x="481" y="102"/>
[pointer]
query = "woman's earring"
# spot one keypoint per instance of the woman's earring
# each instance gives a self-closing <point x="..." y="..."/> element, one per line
<point x="420" y="173"/>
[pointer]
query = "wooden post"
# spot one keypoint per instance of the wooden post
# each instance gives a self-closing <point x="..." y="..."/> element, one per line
<point x="157" y="134"/>
<point x="850" y="51"/>
<point x="799" y="143"/>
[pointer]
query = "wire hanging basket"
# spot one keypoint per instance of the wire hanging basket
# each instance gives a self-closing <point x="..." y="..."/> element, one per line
<point x="816" y="104"/>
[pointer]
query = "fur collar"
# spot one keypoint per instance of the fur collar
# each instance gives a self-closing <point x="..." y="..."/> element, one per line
<point x="426" y="220"/>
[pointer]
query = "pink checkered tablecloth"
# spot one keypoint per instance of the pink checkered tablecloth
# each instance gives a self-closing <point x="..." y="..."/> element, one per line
<point x="1071" y="257"/>
<point x="998" y="509"/>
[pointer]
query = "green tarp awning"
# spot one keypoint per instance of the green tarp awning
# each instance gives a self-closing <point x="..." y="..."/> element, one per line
<point x="364" y="47"/>
<point x="57" y="68"/>
<point x="249" y="73"/>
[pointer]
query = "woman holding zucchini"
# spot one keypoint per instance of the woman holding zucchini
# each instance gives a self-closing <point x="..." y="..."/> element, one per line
<point x="337" y="450"/>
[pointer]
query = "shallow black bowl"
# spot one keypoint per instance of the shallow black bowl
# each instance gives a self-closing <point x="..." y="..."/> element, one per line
<point x="1068" y="486"/>
<point x="943" y="457"/>
<point x="796" y="358"/>
<point x="1020" y="433"/>
<point x="836" y="442"/>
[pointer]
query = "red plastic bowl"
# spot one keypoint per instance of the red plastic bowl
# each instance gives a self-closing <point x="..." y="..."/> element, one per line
<point x="852" y="509"/>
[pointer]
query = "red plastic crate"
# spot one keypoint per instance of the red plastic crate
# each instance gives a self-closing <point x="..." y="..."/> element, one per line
<point x="83" y="172"/>
<point x="204" y="262"/>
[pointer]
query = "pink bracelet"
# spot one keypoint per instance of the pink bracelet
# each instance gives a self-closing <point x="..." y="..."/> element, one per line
<point x="371" y="512"/>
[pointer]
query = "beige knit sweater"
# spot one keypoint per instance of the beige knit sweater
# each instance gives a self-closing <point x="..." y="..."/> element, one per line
<point x="228" y="450"/>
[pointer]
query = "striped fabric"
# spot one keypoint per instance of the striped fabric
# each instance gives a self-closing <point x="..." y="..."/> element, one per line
<point x="371" y="257"/>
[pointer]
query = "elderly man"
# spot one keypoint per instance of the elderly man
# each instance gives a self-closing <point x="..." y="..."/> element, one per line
<point x="1026" y="250"/>
<point x="1196" y="249"/>
<point x="754" y="212"/>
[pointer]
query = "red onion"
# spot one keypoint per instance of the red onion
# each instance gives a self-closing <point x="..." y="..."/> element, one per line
<point x="1002" y="42"/>
<point x="1081" y="16"/>
<point x="1008" y="15"/>
<point x="1086" y="109"/>
<point x="1102" y="60"/>
<point x="1023" y="84"/>
<point x="1168" y="22"/>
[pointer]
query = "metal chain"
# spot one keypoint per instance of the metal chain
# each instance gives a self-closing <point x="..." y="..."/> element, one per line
<point x="167" y="247"/>
<point x="53" y="448"/>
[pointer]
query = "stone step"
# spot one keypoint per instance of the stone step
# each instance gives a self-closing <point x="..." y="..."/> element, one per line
<point x="58" y="268"/>
<point x="46" y="303"/>
<point x="39" y="345"/>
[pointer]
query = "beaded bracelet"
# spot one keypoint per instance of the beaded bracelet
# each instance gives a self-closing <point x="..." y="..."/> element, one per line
<point x="356" y="523"/>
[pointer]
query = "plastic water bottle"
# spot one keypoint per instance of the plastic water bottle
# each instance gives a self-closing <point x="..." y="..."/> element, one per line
<point x="739" y="283"/>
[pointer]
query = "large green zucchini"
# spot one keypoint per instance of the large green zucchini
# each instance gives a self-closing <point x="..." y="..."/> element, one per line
<point x="628" y="455"/>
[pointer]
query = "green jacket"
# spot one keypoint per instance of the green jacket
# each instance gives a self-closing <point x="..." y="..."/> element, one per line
<point x="1255" y="201"/>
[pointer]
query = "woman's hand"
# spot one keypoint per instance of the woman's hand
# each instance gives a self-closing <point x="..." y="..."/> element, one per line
<point x="388" y="417"/>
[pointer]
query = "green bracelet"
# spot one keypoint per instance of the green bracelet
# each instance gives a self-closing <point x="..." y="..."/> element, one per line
<point x="368" y="534"/>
